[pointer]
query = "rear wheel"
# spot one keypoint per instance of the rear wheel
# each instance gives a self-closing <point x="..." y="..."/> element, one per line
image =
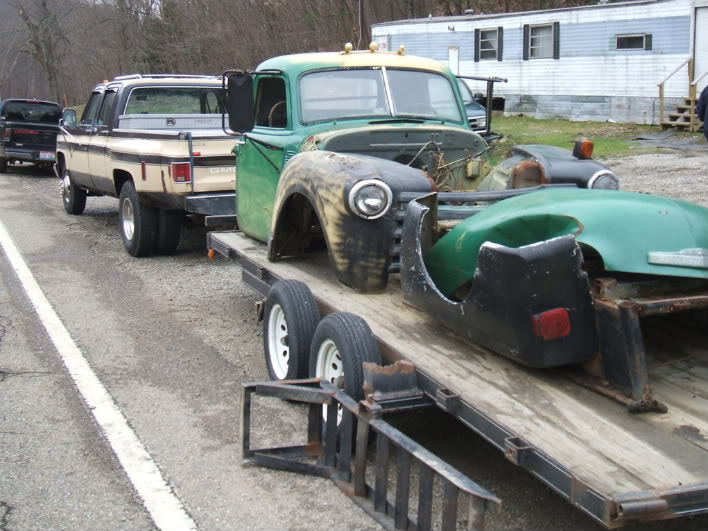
<point x="73" y="197"/>
<point x="342" y="343"/>
<point x="289" y="322"/>
<point x="169" y="227"/>
<point x="3" y="165"/>
<point x="137" y="222"/>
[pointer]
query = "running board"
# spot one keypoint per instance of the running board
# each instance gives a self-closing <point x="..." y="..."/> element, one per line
<point x="330" y="455"/>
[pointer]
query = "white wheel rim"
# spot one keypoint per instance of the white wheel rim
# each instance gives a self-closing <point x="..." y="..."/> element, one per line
<point x="128" y="219"/>
<point x="278" y="347"/>
<point x="330" y="368"/>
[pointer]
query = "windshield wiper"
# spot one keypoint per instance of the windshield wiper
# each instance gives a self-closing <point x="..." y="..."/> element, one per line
<point x="412" y="119"/>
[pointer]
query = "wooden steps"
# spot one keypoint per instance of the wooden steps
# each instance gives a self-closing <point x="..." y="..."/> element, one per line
<point x="683" y="119"/>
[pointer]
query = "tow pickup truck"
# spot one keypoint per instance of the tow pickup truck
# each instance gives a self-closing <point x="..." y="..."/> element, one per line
<point x="156" y="143"/>
<point x="28" y="132"/>
<point x="563" y="323"/>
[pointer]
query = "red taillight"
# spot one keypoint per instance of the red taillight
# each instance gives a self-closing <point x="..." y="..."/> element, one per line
<point x="26" y="132"/>
<point x="552" y="324"/>
<point x="181" y="172"/>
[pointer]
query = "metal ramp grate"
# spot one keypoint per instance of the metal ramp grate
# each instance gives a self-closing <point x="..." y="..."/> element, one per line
<point x="331" y="455"/>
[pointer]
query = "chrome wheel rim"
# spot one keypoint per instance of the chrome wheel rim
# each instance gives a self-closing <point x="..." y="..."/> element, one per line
<point x="331" y="368"/>
<point x="128" y="219"/>
<point x="278" y="347"/>
<point x="66" y="189"/>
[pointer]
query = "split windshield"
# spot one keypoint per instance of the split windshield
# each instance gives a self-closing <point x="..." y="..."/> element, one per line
<point x="361" y="93"/>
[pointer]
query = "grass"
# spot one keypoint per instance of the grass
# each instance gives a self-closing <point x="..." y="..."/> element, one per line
<point x="610" y="139"/>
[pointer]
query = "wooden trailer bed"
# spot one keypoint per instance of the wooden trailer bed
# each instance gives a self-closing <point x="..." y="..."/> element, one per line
<point x="613" y="465"/>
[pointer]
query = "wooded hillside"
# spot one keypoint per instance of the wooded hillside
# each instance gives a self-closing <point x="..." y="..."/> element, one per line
<point x="58" y="49"/>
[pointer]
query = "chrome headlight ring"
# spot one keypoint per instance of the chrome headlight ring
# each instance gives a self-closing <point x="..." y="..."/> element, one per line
<point x="604" y="180"/>
<point x="376" y="205"/>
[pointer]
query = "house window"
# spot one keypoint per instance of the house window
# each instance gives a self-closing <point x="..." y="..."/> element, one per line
<point x="542" y="41"/>
<point x="488" y="44"/>
<point x="641" y="41"/>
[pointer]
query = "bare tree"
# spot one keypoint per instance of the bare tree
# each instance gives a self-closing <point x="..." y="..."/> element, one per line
<point x="46" y="40"/>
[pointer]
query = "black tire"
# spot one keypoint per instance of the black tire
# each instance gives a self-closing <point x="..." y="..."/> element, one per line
<point x="290" y="318"/>
<point x="137" y="222"/>
<point x="73" y="197"/>
<point x="3" y="165"/>
<point x="169" y="227"/>
<point x="355" y="344"/>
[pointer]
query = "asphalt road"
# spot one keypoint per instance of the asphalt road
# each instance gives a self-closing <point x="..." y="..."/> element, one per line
<point x="172" y="339"/>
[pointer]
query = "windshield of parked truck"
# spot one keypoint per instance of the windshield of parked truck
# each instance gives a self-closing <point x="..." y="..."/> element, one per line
<point x="377" y="93"/>
<point x="31" y="111"/>
<point x="175" y="100"/>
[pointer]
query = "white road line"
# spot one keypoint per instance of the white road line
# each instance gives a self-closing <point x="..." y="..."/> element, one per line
<point x="164" y="507"/>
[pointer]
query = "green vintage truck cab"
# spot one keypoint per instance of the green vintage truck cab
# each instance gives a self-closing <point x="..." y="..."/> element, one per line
<point x="334" y="145"/>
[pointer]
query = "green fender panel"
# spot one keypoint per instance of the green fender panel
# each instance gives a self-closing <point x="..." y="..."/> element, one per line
<point x="623" y="227"/>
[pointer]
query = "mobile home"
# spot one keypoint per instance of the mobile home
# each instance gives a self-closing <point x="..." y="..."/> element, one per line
<point x="600" y="62"/>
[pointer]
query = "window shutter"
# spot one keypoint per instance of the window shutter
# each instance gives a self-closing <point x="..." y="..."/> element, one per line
<point x="526" y="42"/>
<point x="556" y="40"/>
<point x="476" y="46"/>
<point x="647" y="41"/>
<point x="500" y="42"/>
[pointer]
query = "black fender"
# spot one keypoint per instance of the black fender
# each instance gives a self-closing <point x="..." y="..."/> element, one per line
<point x="512" y="292"/>
<point x="360" y="249"/>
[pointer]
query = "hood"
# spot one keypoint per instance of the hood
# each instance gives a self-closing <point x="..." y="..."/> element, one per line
<point x="633" y="233"/>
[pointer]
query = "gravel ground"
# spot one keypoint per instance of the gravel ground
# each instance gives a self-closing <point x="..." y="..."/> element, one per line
<point x="679" y="174"/>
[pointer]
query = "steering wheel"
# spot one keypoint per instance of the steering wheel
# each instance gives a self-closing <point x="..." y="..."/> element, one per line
<point x="272" y="111"/>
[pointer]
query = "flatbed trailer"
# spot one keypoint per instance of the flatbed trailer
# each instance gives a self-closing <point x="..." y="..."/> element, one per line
<point x="615" y="466"/>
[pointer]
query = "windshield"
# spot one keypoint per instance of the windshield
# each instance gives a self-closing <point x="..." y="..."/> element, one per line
<point x="31" y="111"/>
<point x="356" y="93"/>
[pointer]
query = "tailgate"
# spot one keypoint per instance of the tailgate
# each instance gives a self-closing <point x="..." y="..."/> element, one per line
<point x="214" y="164"/>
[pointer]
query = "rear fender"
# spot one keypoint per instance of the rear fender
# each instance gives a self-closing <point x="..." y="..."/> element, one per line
<point x="511" y="289"/>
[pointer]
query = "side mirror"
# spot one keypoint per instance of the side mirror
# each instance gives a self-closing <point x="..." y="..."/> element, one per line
<point x="239" y="102"/>
<point x="68" y="118"/>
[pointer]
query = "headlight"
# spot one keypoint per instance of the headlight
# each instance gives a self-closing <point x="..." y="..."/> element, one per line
<point x="370" y="198"/>
<point x="604" y="180"/>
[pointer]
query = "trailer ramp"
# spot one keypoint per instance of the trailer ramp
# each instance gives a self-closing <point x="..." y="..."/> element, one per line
<point x="343" y="455"/>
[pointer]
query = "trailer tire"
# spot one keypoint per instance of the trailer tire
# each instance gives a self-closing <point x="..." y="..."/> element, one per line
<point x="169" y="227"/>
<point x="73" y="197"/>
<point x="137" y="222"/>
<point x="290" y="318"/>
<point x="342" y="343"/>
<point x="3" y="165"/>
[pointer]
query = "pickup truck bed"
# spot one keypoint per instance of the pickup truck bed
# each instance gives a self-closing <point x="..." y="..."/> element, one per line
<point x="615" y="466"/>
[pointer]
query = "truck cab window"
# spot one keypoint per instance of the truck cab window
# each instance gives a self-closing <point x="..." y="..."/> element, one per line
<point x="106" y="108"/>
<point x="271" y="103"/>
<point x="89" y="116"/>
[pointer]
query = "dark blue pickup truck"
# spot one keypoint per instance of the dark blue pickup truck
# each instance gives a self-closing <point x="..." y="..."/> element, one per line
<point x="28" y="132"/>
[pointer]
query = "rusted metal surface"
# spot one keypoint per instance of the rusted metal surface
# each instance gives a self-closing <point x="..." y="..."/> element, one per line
<point x="333" y="458"/>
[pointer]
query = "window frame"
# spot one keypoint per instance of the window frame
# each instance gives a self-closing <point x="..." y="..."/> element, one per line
<point x="531" y="36"/>
<point x="496" y="44"/>
<point x="646" y="39"/>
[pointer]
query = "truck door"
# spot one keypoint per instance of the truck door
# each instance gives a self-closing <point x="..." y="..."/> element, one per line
<point x="262" y="155"/>
<point x="99" y="153"/>
<point x="78" y="163"/>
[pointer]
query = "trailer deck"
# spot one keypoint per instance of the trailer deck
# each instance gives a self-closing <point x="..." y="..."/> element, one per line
<point x="615" y="466"/>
